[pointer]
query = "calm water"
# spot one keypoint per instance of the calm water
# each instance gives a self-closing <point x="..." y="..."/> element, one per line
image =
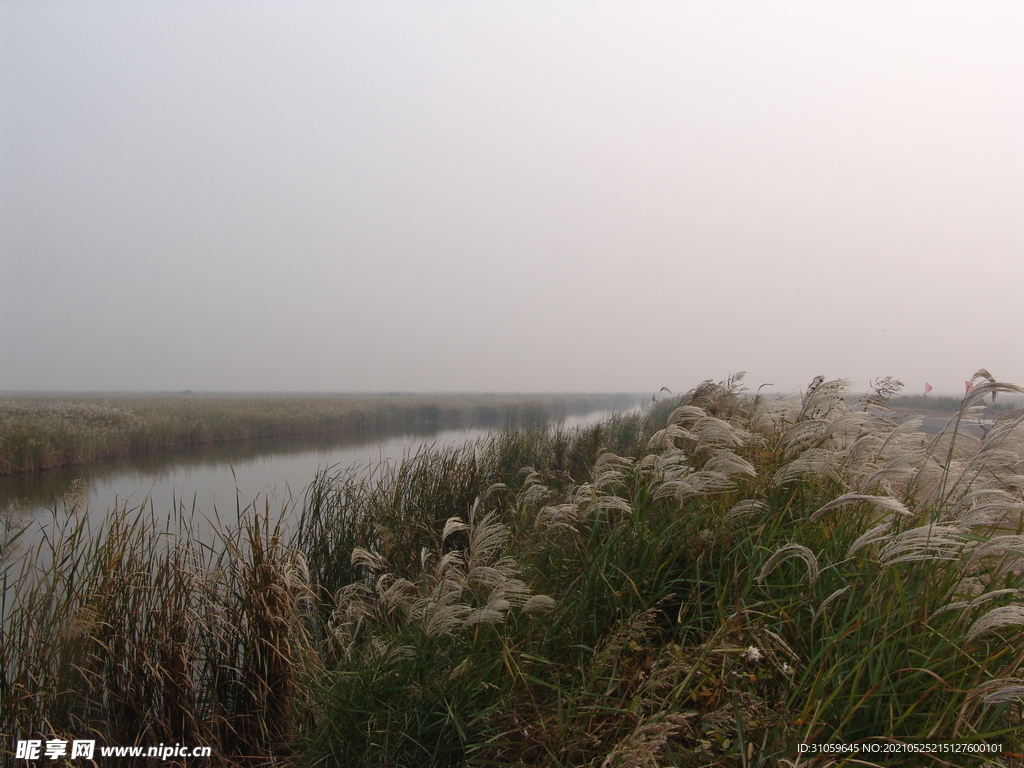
<point x="214" y="478"/>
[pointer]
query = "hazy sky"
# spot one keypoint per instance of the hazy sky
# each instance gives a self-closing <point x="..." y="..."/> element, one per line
<point x="508" y="196"/>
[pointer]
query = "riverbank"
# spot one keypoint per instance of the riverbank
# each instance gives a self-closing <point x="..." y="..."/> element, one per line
<point x="928" y="405"/>
<point x="679" y="588"/>
<point x="45" y="432"/>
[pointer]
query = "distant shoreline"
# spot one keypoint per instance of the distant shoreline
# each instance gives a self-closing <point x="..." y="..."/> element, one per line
<point x="40" y="432"/>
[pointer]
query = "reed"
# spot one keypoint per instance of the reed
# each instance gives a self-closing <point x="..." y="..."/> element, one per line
<point x="713" y="583"/>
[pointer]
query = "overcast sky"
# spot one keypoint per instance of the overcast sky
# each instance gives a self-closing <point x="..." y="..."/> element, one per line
<point x="508" y="196"/>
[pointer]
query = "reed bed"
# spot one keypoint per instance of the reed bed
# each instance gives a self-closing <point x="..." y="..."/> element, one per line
<point x="711" y="584"/>
<point x="47" y="432"/>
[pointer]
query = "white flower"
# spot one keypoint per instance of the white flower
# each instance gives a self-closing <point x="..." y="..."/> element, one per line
<point x="752" y="654"/>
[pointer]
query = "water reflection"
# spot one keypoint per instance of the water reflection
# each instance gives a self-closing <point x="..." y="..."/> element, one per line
<point x="217" y="476"/>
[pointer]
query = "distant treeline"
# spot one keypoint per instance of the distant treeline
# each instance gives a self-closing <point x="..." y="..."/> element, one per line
<point x="47" y="432"/>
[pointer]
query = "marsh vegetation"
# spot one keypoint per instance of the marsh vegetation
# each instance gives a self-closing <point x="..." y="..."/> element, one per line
<point x="38" y="432"/>
<point x="710" y="583"/>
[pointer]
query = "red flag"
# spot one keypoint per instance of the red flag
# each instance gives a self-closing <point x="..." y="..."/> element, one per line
<point x="927" y="387"/>
<point x="968" y="386"/>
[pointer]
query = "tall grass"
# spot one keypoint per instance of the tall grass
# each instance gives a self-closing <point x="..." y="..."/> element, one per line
<point x="140" y="634"/>
<point x="712" y="584"/>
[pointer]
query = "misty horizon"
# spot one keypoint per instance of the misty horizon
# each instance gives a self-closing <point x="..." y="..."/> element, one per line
<point x="567" y="197"/>
<point x="284" y="394"/>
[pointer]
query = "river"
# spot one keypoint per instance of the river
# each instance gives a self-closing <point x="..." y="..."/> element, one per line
<point x="214" y="479"/>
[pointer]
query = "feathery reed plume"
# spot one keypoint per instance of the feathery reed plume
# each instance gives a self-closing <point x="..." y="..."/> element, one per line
<point x="1000" y="691"/>
<point x="584" y="501"/>
<point x="786" y="552"/>
<point x="883" y="502"/>
<point x="828" y="601"/>
<point x="926" y="542"/>
<point x="610" y="470"/>
<point x="870" y="537"/>
<point x="466" y="586"/>
<point x="997" y="618"/>
<point x="1000" y="547"/>
<point x="744" y="509"/>
<point x="645" y="744"/>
